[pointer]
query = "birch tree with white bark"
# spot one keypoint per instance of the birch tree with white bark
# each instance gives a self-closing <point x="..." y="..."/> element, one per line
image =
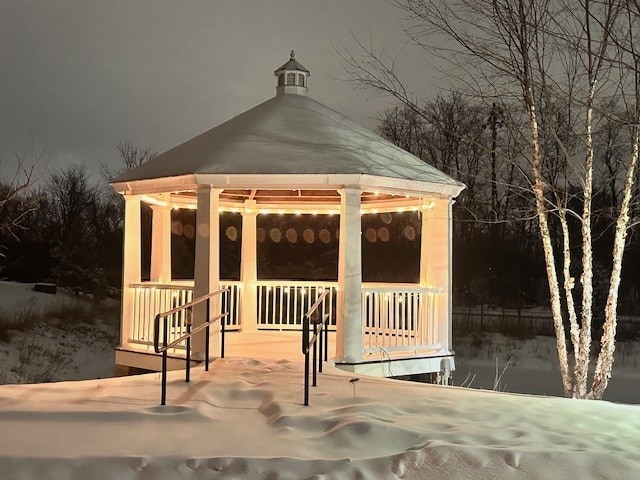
<point x="555" y="58"/>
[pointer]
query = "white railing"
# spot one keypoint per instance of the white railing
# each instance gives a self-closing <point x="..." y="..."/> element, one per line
<point x="281" y="303"/>
<point x="149" y="299"/>
<point x="398" y="318"/>
<point x="395" y="317"/>
<point x="230" y="302"/>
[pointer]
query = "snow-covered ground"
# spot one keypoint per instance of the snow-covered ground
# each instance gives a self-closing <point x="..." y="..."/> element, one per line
<point x="245" y="419"/>
<point x="59" y="346"/>
<point x="533" y="366"/>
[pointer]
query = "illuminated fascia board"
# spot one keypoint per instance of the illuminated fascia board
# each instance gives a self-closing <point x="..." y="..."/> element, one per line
<point x="156" y="185"/>
<point x="386" y="185"/>
<point x="329" y="181"/>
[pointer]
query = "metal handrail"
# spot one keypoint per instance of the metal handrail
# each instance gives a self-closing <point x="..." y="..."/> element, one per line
<point x="308" y="342"/>
<point x="188" y="335"/>
<point x="165" y="337"/>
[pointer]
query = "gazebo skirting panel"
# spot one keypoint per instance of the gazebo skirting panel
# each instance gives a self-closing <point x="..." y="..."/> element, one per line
<point x="396" y="318"/>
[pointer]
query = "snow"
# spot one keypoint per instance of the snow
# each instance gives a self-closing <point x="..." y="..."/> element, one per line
<point x="53" y="349"/>
<point x="244" y="420"/>
<point x="15" y="295"/>
<point x="533" y="366"/>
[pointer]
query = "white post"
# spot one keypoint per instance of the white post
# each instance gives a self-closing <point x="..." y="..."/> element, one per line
<point x="435" y="264"/>
<point x="131" y="254"/>
<point x="207" y="266"/>
<point x="349" y="308"/>
<point x="446" y="317"/>
<point x="249" y="268"/>
<point x="161" y="243"/>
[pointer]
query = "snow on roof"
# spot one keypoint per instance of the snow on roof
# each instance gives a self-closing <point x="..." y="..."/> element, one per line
<point x="245" y="419"/>
<point x="289" y="134"/>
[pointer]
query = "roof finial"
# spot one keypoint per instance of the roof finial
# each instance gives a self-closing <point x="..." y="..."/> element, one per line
<point x="293" y="55"/>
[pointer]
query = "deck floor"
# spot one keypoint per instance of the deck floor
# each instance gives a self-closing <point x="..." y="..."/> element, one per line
<point x="267" y="344"/>
<point x="287" y="345"/>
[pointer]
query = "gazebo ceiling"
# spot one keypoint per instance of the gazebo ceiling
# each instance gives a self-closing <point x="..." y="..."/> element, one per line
<point x="294" y="198"/>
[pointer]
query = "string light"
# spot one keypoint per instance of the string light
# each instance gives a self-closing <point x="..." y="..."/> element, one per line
<point x="365" y="210"/>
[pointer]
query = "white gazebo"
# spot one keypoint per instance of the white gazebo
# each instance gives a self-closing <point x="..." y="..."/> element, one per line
<point x="292" y="156"/>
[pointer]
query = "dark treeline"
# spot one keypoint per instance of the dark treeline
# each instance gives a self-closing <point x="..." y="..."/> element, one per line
<point x="70" y="234"/>
<point x="70" y="227"/>
<point x="498" y="257"/>
<point x="67" y="229"/>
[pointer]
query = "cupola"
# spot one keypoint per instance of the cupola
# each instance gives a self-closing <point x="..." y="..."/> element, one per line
<point x="293" y="78"/>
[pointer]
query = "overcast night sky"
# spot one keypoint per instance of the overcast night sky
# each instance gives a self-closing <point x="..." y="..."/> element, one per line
<point x="82" y="76"/>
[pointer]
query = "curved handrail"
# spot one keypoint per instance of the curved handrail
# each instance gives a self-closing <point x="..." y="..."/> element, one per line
<point x="184" y="337"/>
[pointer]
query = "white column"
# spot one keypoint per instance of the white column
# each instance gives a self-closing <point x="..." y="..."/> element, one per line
<point x="426" y="245"/>
<point x="435" y="264"/>
<point x="207" y="266"/>
<point x="161" y="243"/>
<point x="446" y="318"/>
<point x="131" y="258"/>
<point x="349" y="307"/>
<point x="249" y="268"/>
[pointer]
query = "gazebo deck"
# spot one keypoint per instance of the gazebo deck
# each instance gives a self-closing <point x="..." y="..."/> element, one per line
<point x="286" y="345"/>
<point x="399" y="331"/>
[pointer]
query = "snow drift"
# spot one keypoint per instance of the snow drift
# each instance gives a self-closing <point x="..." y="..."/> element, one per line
<point x="245" y="420"/>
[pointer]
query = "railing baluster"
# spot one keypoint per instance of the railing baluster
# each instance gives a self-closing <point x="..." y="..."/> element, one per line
<point x="397" y="296"/>
<point x="291" y="320"/>
<point x="262" y="298"/>
<point x="434" y="315"/>
<point x="363" y="320"/>
<point x="402" y="303"/>
<point x="135" y="315"/>
<point x="377" y="316"/>
<point x="281" y="289"/>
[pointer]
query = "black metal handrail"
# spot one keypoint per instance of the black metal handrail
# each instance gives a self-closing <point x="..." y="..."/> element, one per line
<point x="312" y="317"/>
<point x="164" y="349"/>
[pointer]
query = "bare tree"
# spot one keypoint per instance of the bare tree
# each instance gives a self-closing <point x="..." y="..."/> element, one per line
<point x="557" y="58"/>
<point x="627" y="59"/>
<point x="131" y="156"/>
<point x="15" y="202"/>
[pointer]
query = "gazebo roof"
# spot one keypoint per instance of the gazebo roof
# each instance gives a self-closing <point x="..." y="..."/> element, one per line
<point x="289" y="134"/>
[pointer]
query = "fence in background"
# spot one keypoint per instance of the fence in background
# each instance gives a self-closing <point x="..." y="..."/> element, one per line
<point x="525" y="323"/>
